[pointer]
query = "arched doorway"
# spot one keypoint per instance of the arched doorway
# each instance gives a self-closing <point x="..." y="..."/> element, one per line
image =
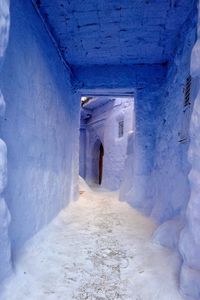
<point x="101" y="154"/>
<point x="97" y="162"/>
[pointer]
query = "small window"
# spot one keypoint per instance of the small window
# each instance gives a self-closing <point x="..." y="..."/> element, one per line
<point x="184" y="131"/>
<point x="121" y="129"/>
<point x="188" y="84"/>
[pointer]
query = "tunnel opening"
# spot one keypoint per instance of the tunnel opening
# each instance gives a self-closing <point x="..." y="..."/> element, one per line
<point x="105" y="125"/>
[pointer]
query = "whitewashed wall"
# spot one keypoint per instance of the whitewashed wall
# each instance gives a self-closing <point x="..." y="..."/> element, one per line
<point x="5" y="254"/>
<point x="189" y="244"/>
<point x="40" y="126"/>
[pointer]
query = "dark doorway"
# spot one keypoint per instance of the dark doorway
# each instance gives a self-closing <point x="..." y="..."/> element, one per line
<point x="101" y="154"/>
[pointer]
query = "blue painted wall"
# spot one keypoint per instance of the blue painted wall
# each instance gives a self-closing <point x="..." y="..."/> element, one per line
<point x="40" y="126"/>
<point x="5" y="252"/>
<point x="189" y="243"/>
<point x="100" y="124"/>
<point x="114" y="32"/>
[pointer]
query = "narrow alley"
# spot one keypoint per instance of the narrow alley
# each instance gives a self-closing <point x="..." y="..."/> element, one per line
<point x="97" y="248"/>
<point x="108" y="90"/>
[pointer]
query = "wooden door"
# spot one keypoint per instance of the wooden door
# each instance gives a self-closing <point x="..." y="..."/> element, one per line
<point x="101" y="154"/>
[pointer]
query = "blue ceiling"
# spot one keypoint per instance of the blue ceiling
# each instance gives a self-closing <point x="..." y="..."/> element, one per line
<point x="116" y="31"/>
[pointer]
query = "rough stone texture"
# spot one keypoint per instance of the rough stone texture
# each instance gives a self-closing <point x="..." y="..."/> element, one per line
<point x="41" y="119"/>
<point x="100" y="121"/>
<point x="136" y="32"/>
<point x="190" y="237"/>
<point x="5" y="254"/>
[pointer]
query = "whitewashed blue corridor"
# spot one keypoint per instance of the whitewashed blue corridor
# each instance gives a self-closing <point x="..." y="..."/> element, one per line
<point x="109" y="90"/>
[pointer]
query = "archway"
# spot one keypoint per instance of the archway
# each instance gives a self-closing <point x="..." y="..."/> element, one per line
<point x="97" y="162"/>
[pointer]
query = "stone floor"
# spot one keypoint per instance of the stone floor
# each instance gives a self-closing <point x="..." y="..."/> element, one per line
<point x="96" y="249"/>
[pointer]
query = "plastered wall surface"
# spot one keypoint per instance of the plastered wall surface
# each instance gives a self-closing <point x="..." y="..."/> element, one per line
<point x="40" y="128"/>
<point x="116" y="32"/>
<point x="166" y="196"/>
<point x="40" y="120"/>
<point x="189" y="244"/>
<point x="5" y="253"/>
<point x="158" y="152"/>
